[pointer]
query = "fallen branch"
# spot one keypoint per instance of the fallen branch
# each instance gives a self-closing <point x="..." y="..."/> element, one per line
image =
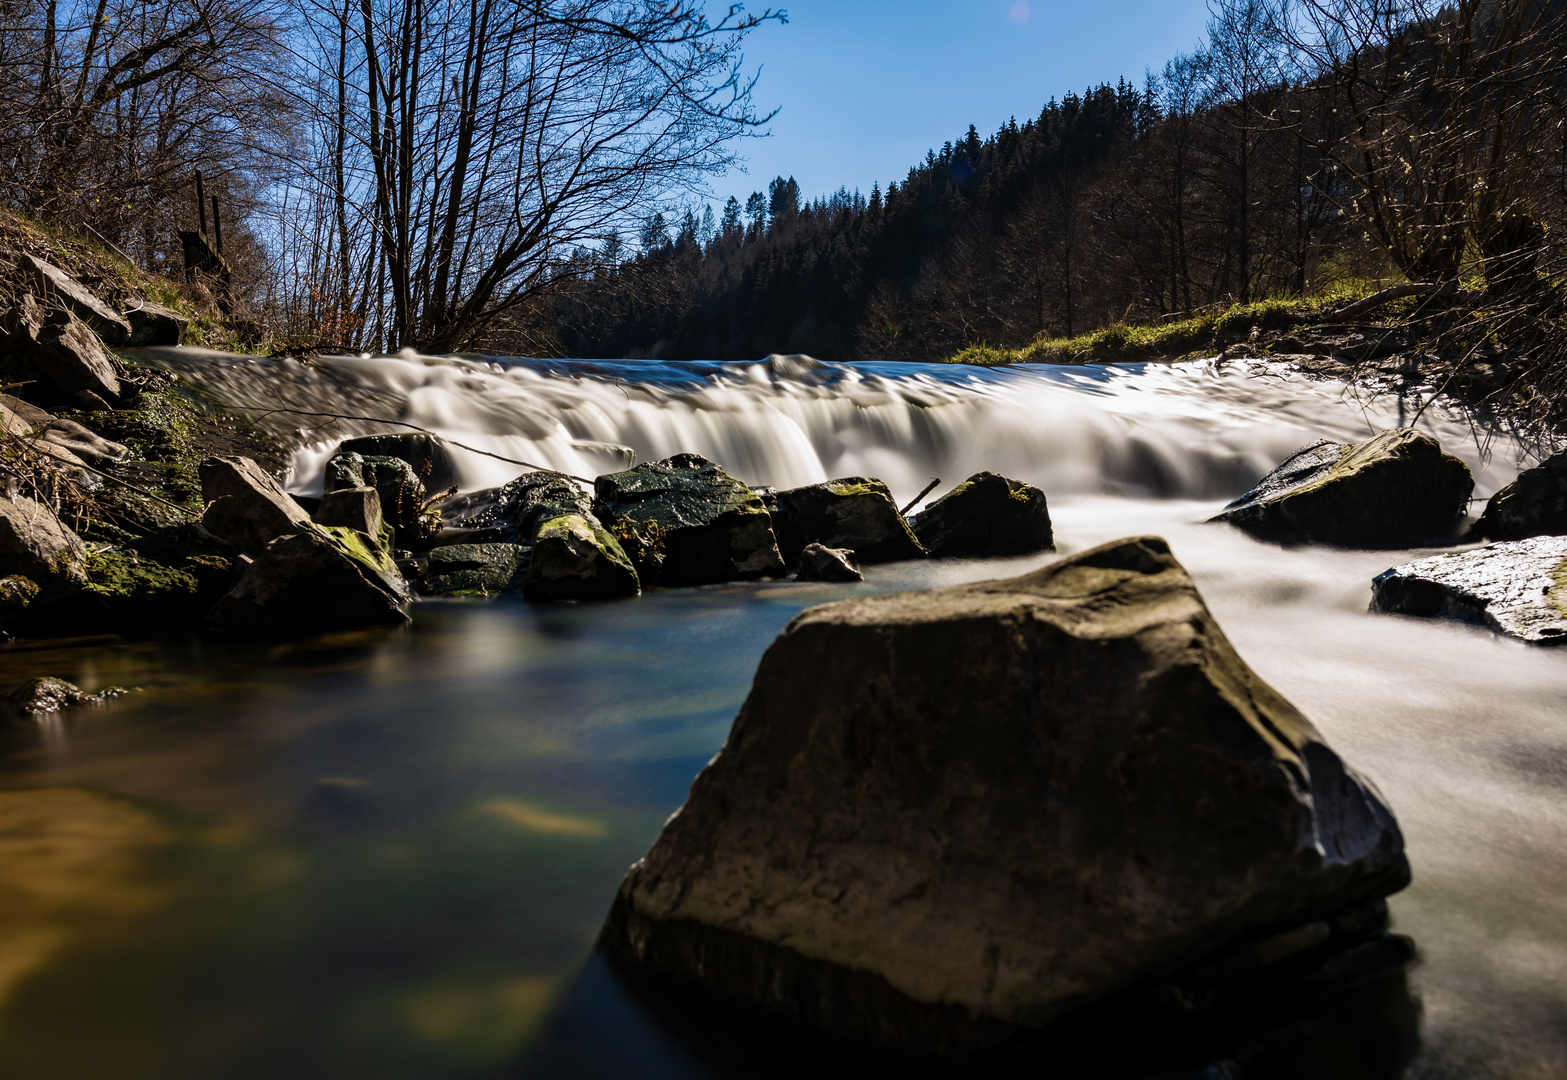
<point x="928" y="488"/>
<point x="1388" y="295"/>
<point x="265" y="412"/>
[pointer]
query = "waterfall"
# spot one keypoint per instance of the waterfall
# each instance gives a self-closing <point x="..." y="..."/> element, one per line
<point x="1199" y="429"/>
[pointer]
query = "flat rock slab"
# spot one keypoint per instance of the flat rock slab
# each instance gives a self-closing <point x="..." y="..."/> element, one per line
<point x="155" y="325"/>
<point x="476" y="569"/>
<point x="1396" y="489"/>
<point x="1517" y="588"/>
<point x="1535" y="504"/>
<point x="943" y="819"/>
<point x="246" y="505"/>
<point x="38" y="545"/>
<point x="684" y="521"/>
<point x="49" y="344"/>
<point x="51" y="281"/>
<point x="986" y="516"/>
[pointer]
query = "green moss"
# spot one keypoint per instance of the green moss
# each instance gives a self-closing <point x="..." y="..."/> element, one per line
<point x="362" y="549"/>
<point x="118" y="577"/>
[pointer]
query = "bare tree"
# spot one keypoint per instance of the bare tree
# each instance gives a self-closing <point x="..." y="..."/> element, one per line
<point x="464" y="150"/>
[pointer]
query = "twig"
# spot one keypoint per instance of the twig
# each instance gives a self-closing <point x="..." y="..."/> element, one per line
<point x="934" y="480"/>
<point x="31" y="448"/>
<point x="265" y="412"/>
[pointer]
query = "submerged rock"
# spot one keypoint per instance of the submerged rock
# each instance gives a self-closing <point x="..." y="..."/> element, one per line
<point x="692" y="523"/>
<point x="574" y="558"/>
<point x="246" y="505"/>
<point x="1396" y="489"/>
<point x="947" y="818"/>
<point x="37" y="545"/>
<point x="48" y="695"/>
<point x="1517" y="588"/>
<point x="320" y="578"/>
<point x="1535" y="504"/>
<point x="50" y="347"/>
<point x="854" y="512"/>
<point x="821" y="563"/>
<point x="987" y="515"/>
<point x="475" y="569"/>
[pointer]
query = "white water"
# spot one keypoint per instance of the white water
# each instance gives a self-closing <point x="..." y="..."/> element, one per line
<point x="1465" y="733"/>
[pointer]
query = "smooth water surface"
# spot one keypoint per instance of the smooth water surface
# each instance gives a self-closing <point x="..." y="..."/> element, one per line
<point x="387" y="854"/>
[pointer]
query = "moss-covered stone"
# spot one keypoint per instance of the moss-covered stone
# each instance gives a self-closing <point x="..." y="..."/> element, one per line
<point x="575" y="558"/>
<point x="16" y="592"/>
<point x="855" y="512"/>
<point x="988" y="515"/>
<point x="318" y="579"/>
<point x="403" y="495"/>
<point x="712" y="528"/>
<point x="1396" y="489"/>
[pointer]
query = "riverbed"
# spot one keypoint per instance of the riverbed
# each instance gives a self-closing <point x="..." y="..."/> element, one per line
<point x="388" y="853"/>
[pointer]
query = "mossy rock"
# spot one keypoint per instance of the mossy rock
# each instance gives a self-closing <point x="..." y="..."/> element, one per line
<point x="855" y="512"/>
<point x="702" y="524"/>
<point x="575" y="558"/>
<point x="319" y="579"/>
<point x="123" y="594"/>
<point x="403" y="494"/>
<point x="987" y="516"/>
<point x="1397" y="489"/>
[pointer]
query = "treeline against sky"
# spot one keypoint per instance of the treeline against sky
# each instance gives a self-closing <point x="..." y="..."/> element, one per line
<point x="1306" y="146"/>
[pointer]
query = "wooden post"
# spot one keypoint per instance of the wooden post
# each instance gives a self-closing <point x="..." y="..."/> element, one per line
<point x="201" y="205"/>
<point x="217" y="228"/>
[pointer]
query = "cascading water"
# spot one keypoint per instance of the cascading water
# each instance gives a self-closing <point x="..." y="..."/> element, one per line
<point x="404" y="844"/>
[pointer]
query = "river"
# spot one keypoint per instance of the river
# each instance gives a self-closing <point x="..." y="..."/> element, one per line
<point x="387" y="854"/>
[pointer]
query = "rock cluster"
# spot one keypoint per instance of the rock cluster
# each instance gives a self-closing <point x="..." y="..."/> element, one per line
<point x="945" y="819"/>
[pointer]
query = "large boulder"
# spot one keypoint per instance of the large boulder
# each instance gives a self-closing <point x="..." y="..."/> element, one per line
<point x="153" y="324"/>
<point x="404" y="501"/>
<point x="855" y="512"/>
<point x="37" y="545"/>
<point x="55" y="284"/>
<point x="1396" y="489"/>
<point x="59" y="355"/>
<point x="318" y="579"/>
<point x="943" y="819"/>
<point x="430" y="458"/>
<point x="1517" y="588"/>
<point x="987" y="515"/>
<point x="689" y="522"/>
<point x="1535" y="504"/>
<point x="475" y="569"/>
<point x="574" y="558"/>
<point x="246" y="505"/>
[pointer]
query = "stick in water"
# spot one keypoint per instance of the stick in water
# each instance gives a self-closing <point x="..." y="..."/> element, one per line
<point x="934" y="480"/>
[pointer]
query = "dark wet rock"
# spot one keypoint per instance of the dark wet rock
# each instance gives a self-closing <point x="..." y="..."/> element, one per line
<point x="821" y="563"/>
<point x="429" y="456"/>
<point x="246" y="505"/>
<point x="321" y="578"/>
<point x="515" y="509"/>
<point x="403" y="495"/>
<point x="575" y="558"/>
<point x="28" y="414"/>
<point x="189" y="547"/>
<point x="947" y="818"/>
<point x="1535" y="504"/>
<point x="155" y="325"/>
<point x="475" y="569"/>
<point x="854" y="512"/>
<point x="1516" y="587"/>
<point x="57" y="285"/>
<point x="38" y="545"/>
<point x="50" y="695"/>
<point x="59" y="355"/>
<point x="687" y="522"/>
<point x="357" y="508"/>
<point x="987" y="515"/>
<point x="1396" y="489"/>
<point x="125" y="593"/>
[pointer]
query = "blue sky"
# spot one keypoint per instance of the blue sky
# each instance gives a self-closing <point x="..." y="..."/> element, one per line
<point x="865" y="87"/>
